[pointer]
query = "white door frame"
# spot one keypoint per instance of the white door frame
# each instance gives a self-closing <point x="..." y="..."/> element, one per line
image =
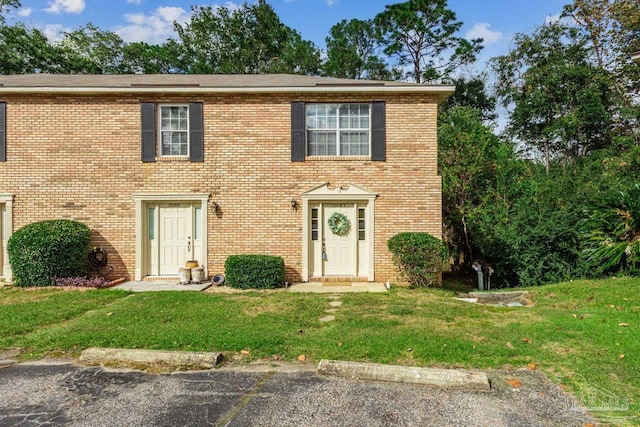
<point x="6" y="230"/>
<point x="339" y="194"/>
<point x="141" y="200"/>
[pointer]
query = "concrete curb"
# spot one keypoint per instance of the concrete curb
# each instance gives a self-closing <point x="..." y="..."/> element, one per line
<point x="446" y="378"/>
<point x="143" y="359"/>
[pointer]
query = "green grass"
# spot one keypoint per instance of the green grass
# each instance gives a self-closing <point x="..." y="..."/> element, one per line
<point x="572" y="333"/>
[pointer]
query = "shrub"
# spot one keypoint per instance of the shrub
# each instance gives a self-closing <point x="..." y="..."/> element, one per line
<point x="418" y="257"/>
<point x="41" y="251"/>
<point x="254" y="271"/>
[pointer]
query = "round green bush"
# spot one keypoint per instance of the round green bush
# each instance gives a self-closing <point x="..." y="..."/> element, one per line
<point x="42" y="251"/>
<point x="418" y="256"/>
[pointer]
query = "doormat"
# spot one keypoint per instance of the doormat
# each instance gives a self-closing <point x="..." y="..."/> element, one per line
<point x="336" y="283"/>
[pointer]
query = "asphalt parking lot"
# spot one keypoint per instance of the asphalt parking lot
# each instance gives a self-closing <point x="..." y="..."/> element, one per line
<point x="64" y="394"/>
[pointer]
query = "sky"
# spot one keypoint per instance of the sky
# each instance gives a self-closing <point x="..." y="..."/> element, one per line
<point x="151" y="20"/>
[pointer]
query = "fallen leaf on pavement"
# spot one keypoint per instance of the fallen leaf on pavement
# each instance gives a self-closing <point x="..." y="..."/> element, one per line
<point x="514" y="382"/>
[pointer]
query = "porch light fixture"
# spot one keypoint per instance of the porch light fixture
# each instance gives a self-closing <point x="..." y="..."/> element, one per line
<point x="215" y="207"/>
<point x="294" y="204"/>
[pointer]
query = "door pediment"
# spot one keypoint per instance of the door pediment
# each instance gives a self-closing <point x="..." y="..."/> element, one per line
<point x="345" y="192"/>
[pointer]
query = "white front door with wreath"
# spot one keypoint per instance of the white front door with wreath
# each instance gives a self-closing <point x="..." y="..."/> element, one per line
<point x="339" y="238"/>
<point x="338" y="232"/>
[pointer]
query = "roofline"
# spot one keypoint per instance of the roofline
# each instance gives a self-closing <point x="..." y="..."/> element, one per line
<point x="442" y="91"/>
<point x="636" y="57"/>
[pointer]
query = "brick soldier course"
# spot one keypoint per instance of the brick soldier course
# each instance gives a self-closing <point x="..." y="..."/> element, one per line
<point x="73" y="150"/>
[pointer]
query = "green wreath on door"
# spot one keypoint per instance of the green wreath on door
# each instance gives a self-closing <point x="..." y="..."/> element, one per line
<point x="339" y="224"/>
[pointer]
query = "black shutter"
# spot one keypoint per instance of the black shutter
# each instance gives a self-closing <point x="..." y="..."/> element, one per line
<point x="196" y="134"/>
<point x="3" y="131"/>
<point x="378" y="132"/>
<point x="298" y="148"/>
<point x="148" y="131"/>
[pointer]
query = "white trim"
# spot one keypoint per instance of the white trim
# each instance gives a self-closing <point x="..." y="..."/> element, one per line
<point x="323" y="194"/>
<point x="142" y="199"/>
<point x="6" y="200"/>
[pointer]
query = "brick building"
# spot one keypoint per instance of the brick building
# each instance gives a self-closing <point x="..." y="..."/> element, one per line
<point x="167" y="168"/>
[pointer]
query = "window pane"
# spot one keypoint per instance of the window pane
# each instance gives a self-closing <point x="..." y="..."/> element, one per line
<point x="197" y="213"/>
<point x="152" y="223"/>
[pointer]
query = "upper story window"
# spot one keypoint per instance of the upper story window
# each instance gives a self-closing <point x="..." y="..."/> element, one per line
<point x="338" y="129"/>
<point x="174" y="130"/>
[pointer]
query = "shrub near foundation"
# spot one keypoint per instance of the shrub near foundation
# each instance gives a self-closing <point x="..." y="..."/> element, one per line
<point x="418" y="257"/>
<point x="254" y="271"/>
<point x="41" y="251"/>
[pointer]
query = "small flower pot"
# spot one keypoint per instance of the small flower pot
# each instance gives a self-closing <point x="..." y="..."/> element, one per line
<point x="185" y="275"/>
<point x="197" y="275"/>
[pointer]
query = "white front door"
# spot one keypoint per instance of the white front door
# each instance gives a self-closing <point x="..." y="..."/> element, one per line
<point x="340" y="250"/>
<point x="174" y="236"/>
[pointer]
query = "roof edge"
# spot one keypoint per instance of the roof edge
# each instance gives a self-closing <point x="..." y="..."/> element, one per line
<point x="441" y="91"/>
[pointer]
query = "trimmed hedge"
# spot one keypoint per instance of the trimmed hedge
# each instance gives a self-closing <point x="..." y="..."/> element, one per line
<point x="254" y="271"/>
<point x="42" y="251"/>
<point x="418" y="257"/>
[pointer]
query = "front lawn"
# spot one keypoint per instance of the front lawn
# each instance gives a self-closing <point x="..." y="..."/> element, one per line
<point x="584" y="334"/>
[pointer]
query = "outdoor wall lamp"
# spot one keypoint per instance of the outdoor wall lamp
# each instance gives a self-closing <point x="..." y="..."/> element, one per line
<point x="294" y="204"/>
<point x="215" y="207"/>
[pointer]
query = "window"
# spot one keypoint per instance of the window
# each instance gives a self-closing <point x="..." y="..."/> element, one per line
<point x="361" y="224"/>
<point x="174" y="130"/>
<point x="314" y="224"/>
<point x="338" y="129"/>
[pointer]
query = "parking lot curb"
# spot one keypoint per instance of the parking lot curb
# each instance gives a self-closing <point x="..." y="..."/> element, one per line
<point x="142" y="359"/>
<point x="445" y="378"/>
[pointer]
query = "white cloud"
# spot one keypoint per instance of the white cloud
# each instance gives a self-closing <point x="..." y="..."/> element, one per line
<point x="331" y="2"/>
<point x="153" y="28"/>
<point x="66" y="6"/>
<point x="481" y="30"/>
<point x="55" y="32"/>
<point x="136" y="2"/>
<point x="25" y="12"/>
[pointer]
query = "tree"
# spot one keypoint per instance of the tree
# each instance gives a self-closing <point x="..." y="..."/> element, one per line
<point x="99" y="51"/>
<point x="472" y="92"/>
<point x="143" y="58"/>
<point x="421" y="34"/>
<point x="27" y="50"/>
<point x="6" y="4"/>
<point x="561" y="102"/>
<point x="612" y="31"/>
<point x="250" y="39"/>
<point x="473" y="163"/>
<point x="353" y="49"/>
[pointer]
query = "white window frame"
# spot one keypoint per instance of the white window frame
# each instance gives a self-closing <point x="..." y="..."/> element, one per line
<point x="338" y="129"/>
<point x="159" y="142"/>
